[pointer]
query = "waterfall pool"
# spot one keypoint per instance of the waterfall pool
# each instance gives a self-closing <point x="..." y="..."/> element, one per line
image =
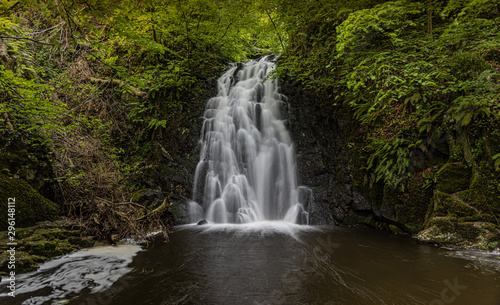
<point x="267" y="263"/>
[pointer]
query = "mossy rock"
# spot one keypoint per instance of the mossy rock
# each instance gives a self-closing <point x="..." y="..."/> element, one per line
<point x="395" y="229"/>
<point x="452" y="177"/>
<point x="414" y="203"/>
<point x="445" y="205"/>
<point x="31" y="162"/>
<point x="57" y="233"/>
<point x="435" y="235"/>
<point x="52" y="248"/>
<point x="83" y="242"/>
<point x="484" y="193"/>
<point x="454" y="231"/>
<point x="30" y="208"/>
<point x="414" y="228"/>
<point x="43" y="241"/>
<point x="25" y="262"/>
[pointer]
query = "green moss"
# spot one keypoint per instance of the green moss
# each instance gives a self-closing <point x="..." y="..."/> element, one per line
<point x="484" y="192"/>
<point x="31" y="207"/>
<point x="414" y="202"/>
<point x="454" y="231"/>
<point x="395" y="229"/>
<point x="138" y="196"/>
<point x="25" y="262"/>
<point x="57" y="233"/>
<point x="83" y="242"/>
<point x="468" y="231"/>
<point x="46" y="240"/>
<point x="452" y="177"/>
<point x="390" y="199"/>
<point x="414" y="228"/>
<point x="446" y="205"/>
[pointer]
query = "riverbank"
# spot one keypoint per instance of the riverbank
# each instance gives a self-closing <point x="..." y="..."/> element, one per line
<point x="44" y="241"/>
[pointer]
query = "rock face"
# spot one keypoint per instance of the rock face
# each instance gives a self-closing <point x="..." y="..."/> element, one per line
<point x="464" y="211"/>
<point x="443" y="202"/>
<point x="323" y="164"/>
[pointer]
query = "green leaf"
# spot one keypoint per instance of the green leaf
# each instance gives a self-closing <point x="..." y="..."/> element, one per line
<point x="466" y="119"/>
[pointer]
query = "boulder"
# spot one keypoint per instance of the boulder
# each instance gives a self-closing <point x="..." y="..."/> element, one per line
<point x="30" y="206"/>
<point x="452" y="178"/>
<point x="202" y="222"/>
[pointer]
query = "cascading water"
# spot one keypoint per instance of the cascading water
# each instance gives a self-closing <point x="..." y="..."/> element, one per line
<point x="247" y="169"/>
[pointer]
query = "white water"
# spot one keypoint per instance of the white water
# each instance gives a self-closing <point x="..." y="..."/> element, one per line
<point x="96" y="269"/>
<point x="247" y="168"/>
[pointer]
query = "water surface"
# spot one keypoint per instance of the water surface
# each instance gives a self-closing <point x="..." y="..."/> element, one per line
<point x="282" y="263"/>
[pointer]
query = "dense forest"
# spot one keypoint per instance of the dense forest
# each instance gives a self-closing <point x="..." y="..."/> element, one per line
<point x="101" y="103"/>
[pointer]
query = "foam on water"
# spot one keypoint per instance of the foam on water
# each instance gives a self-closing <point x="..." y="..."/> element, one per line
<point x="95" y="269"/>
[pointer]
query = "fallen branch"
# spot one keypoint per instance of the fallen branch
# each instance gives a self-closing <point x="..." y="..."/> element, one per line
<point x="26" y="38"/>
<point x="118" y="82"/>
<point x="156" y="212"/>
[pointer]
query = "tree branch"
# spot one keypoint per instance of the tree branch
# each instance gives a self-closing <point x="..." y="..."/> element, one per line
<point x="276" y="29"/>
<point x="26" y="38"/>
<point x="134" y="90"/>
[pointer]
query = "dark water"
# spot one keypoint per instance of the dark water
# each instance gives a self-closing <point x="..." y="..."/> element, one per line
<point x="288" y="264"/>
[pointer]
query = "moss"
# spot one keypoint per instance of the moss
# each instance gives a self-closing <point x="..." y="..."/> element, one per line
<point x="57" y="233"/>
<point x="454" y="231"/>
<point x="452" y="177"/>
<point x="31" y="207"/>
<point x="138" y="196"/>
<point x="484" y="192"/>
<point x="31" y="162"/>
<point x="25" y="262"/>
<point x="46" y="240"/>
<point x="148" y="197"/>
<point x="468" y="231"/>
<point x="415" y="202"/>
<point x="395" y="229"/>
<point x="83" y="242"/>
<point x="434" y="234"/>
<point x="390" y="199"/>
<point x="414" y="228"/>
<point x="446" y="205"/>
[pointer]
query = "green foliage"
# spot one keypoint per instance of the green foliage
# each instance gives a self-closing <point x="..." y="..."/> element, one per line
<point x="496" y="158"/>
<point x="406" y="69"/>
<point x="390" y="161"/>
<point x="383" y="24"/>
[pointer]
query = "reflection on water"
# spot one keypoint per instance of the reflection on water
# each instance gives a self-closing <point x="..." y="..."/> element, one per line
<point x="279" y="263"/>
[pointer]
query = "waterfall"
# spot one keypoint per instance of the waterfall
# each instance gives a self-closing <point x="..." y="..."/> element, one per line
<point x="247" y="167"/>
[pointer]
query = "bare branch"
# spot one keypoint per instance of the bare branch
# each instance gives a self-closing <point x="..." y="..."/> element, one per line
<point x="26" y="38"/>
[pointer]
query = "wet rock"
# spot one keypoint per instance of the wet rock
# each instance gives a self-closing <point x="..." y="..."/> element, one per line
<point x="457" y="232"/>
<point x="436" y="235"/>
<point x="202" y="222"/>
<point x="180" y="212"/>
